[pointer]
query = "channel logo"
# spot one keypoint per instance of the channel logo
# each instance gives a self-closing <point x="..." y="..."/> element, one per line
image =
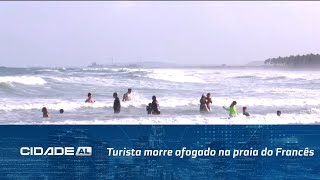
<point x="84" y="151"/>
<point x="56" y="151"/>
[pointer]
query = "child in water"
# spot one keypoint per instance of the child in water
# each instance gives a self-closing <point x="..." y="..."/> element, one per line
<point x="245" y="112"/>
<point x="149" y="108"/>
<point x="232" y="109"/>
<point x="45" y="113"/>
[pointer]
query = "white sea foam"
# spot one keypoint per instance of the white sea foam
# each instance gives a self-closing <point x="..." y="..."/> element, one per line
<point x="273" y="75"/>
<point x="165" y="102"/>
<point x="89" y="80"/>
<point x="27" y="80"/>
<point x="67" y="105"/>
<point x="194" y="119"/>
<point x="175" y="76"/>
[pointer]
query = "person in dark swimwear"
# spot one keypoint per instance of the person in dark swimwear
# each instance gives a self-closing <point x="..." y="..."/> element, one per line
<point x="203" y="104"/>
<point x="45" y="113"/>
<point x="61" y="111"/>
<point x="244" y="111"/>
<point x="278" y="113"/>
<point x="209" y="101"/>
<point x="90" y="100"/>
<point x="155" y="106"/>
<point x="149" y="108"/>
<point x="116" y="103"/>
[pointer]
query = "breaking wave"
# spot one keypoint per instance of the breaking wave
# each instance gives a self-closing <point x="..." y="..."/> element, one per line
<point x="26" y="80"/>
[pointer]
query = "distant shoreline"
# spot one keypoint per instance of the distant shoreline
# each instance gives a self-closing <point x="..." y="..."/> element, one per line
<point x="238" y="67"/>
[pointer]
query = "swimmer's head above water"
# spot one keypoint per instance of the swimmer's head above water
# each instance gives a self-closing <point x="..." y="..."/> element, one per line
<point x="278" y="113"/>
<point x="233" y="103"/>
<point x="154" y="98"/>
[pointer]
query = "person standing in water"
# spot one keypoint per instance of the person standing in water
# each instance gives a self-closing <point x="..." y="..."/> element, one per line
<point x="116" y="103"/>
<point x="244" y="111"/>
<point x="209" y="101"/>
<point x="45" y="113"/>
<point x="232" y="109"/>
<point x="203" y="104"/>
<point x="155" y="106"/>
<point x="90" y="100"/>
<point x="127" y="96"/>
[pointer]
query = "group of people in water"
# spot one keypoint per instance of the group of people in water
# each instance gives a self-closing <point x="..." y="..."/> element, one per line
<point x="205" y="102"/>
<point x="45" y="112"/>
<point x="154" y="108"/>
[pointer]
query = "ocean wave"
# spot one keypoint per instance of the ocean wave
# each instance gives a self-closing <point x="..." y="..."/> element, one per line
<point x="111" y="69"/>
<point x="26" y="80"/>
<point x="96" y="69"/>
<point x="189" y="120"/>
<point x="263" y="77"/>
<point x="276" y="78"/>
<point x="47" y="70"/>
<point x="261" y="104"/>
<point x="290" y="76"/>
<point x="6" y="85"/>
<point x="174" y="111"/>
<point x="88" y="80"/>
<point x="268" y="75"/>
<point x="245" y="77"/>
<point x="179" y="76"/>
<point x="53" y="106"/>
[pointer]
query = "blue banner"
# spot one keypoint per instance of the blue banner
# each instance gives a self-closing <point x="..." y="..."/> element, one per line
<point x="166" y="152"/>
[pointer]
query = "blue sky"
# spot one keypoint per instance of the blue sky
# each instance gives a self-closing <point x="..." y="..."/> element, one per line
<point x="78" y="33"/>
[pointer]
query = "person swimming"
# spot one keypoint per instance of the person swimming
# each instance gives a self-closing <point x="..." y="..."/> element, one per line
<point x="155" y="106"/>
<point x="278" y="113"/>
<point x="116" y="103"/>
<point x="45" y="113"/>
<point x="90" y="100"/>
<point x="209" y="101"/>
<point x="149" y="108"/>
<point x="127" y="96"/>
<point x="203" y="104"/>
<point x="61" y="111"/>
<point x="232" y="109"/>
<point x="244" y="111"/>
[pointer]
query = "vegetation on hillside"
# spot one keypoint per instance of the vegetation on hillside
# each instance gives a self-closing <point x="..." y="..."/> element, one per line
<point x="309" y="60"/>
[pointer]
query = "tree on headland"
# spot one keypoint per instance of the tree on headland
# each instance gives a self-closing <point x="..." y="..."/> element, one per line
<point x="309" y="60"/>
